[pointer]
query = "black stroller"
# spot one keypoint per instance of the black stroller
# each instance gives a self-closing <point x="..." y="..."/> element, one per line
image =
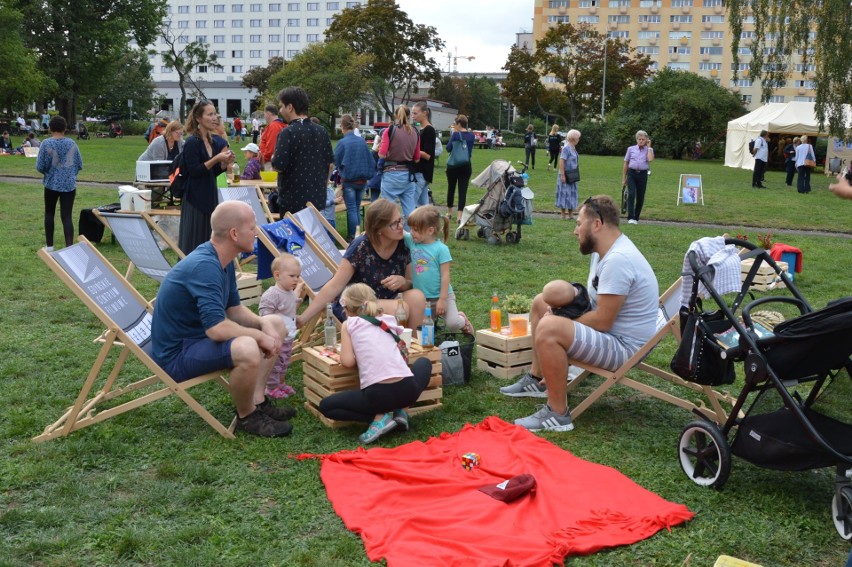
<point x="82" y="131"/>
<point x="791" y="423"/>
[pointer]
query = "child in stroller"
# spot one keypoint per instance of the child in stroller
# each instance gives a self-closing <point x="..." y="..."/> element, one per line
<point x="507" y="201"/>
<point x="82" y="131"/>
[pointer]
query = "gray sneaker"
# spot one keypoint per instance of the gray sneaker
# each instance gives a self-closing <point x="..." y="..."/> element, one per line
<point x="525" y="387"/>
<point x="546" y="419"/>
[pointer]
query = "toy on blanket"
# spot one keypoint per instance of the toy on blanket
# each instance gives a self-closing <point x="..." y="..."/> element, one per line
<point x="470" y="460"/>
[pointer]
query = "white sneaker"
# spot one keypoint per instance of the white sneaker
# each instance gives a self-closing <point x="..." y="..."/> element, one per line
<point x="633" y="221"/>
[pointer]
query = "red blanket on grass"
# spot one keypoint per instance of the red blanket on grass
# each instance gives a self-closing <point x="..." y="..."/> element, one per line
<point x="416" y="505"/>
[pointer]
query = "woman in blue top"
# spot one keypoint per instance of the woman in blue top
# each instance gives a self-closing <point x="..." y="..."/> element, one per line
<point x="460" y="174"/>
<point x="59" y="160"/>
<point x="356" y="165"/>
<point x="206" y="156"/>
<point x="566" y="192"/>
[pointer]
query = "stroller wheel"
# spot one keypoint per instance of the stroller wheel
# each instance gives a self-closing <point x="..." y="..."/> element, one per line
<point x="704" y="454"/>
<point x="466" y="235"/>
<point x="493" y="239"/>
<point x="841" y="512"/>
<point x="480" y="233"/>
<point x="460" y="233"/>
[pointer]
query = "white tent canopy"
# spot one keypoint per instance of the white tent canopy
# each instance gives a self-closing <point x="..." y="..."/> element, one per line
<point x="792" y="118"/>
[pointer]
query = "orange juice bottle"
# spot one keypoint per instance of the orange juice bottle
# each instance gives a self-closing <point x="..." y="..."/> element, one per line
<point x="496" y="314"/>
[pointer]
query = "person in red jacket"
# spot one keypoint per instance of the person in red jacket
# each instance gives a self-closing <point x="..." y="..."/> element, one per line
<point x="274" y="125"/>
<point x="238" y="128"/>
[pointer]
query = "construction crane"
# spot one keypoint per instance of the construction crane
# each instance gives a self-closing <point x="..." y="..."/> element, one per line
<point x="455" y="59"/>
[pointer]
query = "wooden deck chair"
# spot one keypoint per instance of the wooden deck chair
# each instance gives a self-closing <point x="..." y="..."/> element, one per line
<point x="668" y="323"/>
<point x="317" y="270"/>
<point x="253" y="197"/>
<point x="316" y="225"/>
<point x="127" y="316"/>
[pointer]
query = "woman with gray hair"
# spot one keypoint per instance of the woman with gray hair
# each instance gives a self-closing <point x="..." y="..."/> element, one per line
<point x="568" y="177"/>
<point x="637" y="167"/>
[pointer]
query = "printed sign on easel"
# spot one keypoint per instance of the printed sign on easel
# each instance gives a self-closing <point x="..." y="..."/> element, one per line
<point x="690" y="190"/>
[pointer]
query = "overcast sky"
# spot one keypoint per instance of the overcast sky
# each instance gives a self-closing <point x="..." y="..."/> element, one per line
<point x="484" y="29"/>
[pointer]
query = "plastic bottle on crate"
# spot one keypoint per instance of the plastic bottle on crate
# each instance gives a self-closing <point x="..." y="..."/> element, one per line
<point x="427" y="330"/>
<point x="401" y="314"/>
<point x="496" y="314"/>
<point x="330" y="328"/>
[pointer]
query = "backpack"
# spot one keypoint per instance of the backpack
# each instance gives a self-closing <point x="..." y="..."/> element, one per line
<point x="512" y="207"/>
<point x="177" y="175"/>
<point x="751" y="146"/>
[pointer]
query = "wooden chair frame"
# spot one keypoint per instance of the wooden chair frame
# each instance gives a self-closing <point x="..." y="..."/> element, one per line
<point x="133" y="341"/>
<point x="670" y="309"/>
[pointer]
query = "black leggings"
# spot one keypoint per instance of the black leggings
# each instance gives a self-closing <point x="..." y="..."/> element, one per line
<point x="554" y="158"/>
<point x="364" y="405"/>
<point x="66" y="203"/>
<point x="460" y="175"/>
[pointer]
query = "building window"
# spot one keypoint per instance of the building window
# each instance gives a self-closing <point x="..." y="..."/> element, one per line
<point x="649" y="35"/>
<point x="274" y="53"/>
<point x="653" y="19"/>
<point x="619" y="3"/>
<point x="710" y="51"/>
<point x="218" y="69"/>
<point x="274" y="38"/>
<point x="654" y="65"/>
<point x="313" y="22"/>
<point x="746" y="98"/>
<point x="293" y="37"/>
<point x="218" y="23"/>
<point x="804" y="98"/>
<point x="558" y="19"/>
<point x="619" y="34"/>
<point x="183" y="39"/>
<point x="553" y="4"/>
<point x="236" y="23"/>
<point x="678" y="66"/>
<point x="776" y="98"/>
<point x="709" y="66"/>
<point x="618" y="19"/>
<point x="587" y="3"/>
<point x="237" y="53"/>
<point x="200" y="24"/>
<point x="713" y="19"/>
<point x="276" y="7"/>
<point x="275" y="22"/>
<point x="675" y="36"/>
<point x="803" y="84"/>
<point x="183" y="24"/>
<point x="237" y="8"/>
<point x="713" y="3"/>
<point x="650" y="3"/>
<point x="313" y="6"/>
<point x="183" y="9"/>
<point x="744" y="51"/>
<point x="588" y="19"/>
<point x="329" y="21"/>
<point x="291" y="53"/>
<point x="219" y="53"/>
<point x="201" y="9"/>
<point x="255" y="38"/>
<point x="712" y="35"/>
<point x="202" y="68"/>
<point x="201" y="39"/>
<point x="165" y="69"/>
<point x="803" y="68"/>
<point x="352" y="4"/>
<point x="648" y="49"/>
<point x="256" y="7"/>
<point x="218" y="39"/>
<point x="236" y="68"/>
<point x="218" y="8"/>
<point x="255" y="23"/>
<point x="293" y="23"/>
<point x="681" y="50"/>
<point x="745" y="83"/>
<point x="681" y="3"/>
<point x="313" y="37"/>
<point x="332" y="5"/>
<point x="236" y="38"/>
<point x="681" y="19"/>
<point x="293" y="7"/>
<point x="254" y="53"/>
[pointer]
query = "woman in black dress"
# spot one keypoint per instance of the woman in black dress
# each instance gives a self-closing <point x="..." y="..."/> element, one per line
<point x="206" y="156"/>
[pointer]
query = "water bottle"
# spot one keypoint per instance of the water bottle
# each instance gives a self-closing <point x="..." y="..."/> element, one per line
<point x="496" y="314"/>
<point x="330" y="329"/>
<point x="235" y="170"/>
<point x="427" y="330"/>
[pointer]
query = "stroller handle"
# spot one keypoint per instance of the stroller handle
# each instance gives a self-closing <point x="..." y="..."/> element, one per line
<point x="693" y="262"/>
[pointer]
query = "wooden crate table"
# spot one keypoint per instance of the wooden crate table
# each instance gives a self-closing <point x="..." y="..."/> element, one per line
<point x="324" y="376"/>
<point x="765" y="276"/>
<point x="501" y="355"/>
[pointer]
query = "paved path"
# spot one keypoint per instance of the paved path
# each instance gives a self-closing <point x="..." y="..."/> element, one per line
<point x="717" y="227"/>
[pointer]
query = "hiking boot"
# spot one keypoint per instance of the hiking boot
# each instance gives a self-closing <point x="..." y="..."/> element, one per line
<point x="283" y="413"/>
<point x="378" y="428"/>
<point x="525" y="387"/>
<point x="547" y="420"/>
<point x="400" y="416"/>
<point x="260" y="424"/>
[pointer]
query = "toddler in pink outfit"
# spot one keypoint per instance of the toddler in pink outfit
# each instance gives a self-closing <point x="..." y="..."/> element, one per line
<point x="283" y="299"/>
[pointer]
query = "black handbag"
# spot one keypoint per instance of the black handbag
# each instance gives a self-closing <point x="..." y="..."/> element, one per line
<point x="698" y="358"/>
<point x="572" y="175"/>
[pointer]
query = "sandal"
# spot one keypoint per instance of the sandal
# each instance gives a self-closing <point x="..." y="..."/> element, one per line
<point x="378" y="428"/>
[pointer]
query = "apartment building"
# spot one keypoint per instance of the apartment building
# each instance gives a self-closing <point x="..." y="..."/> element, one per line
<point x="691" y="35"/>
<point x="244" y="34"/>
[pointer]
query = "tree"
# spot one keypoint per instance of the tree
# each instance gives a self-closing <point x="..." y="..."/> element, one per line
<point x="21" y="82"/>
<point x="184" y="58"/>
<point x="332" y="75"/>
<point x="703" y="111"/>
<point x="397" y="48"/>
<point x="451" y="90"/>
<point x="784" y="26"/>
<point x="131" y="80"/>
<point x="523" y="86"/>
<point x="484" y="101"/>
<point x="258" y="78"/>
<point x="76" y="41"/>
<point x="575" y="56"/>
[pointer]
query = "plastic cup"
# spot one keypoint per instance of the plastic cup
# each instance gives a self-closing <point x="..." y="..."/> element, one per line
<point x="518" y="326"/>
<point x="406" y="336"/>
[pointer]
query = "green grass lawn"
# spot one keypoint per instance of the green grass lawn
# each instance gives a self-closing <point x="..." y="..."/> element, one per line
<point x="157" y="486"/>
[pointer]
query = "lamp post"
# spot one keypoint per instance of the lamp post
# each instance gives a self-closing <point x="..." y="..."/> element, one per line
<point x="603" y="84"/>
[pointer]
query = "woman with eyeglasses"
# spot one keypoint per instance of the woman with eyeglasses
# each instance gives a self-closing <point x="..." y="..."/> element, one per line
<point x="167" y="145"/>
<point x="380" y="259"/>
<point x="206" y="155"/>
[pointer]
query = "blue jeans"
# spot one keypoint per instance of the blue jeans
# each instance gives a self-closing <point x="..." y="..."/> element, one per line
<point x="422" y="196"/>
<point x="399" y="185"/>
<point x="352" y="195"/>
